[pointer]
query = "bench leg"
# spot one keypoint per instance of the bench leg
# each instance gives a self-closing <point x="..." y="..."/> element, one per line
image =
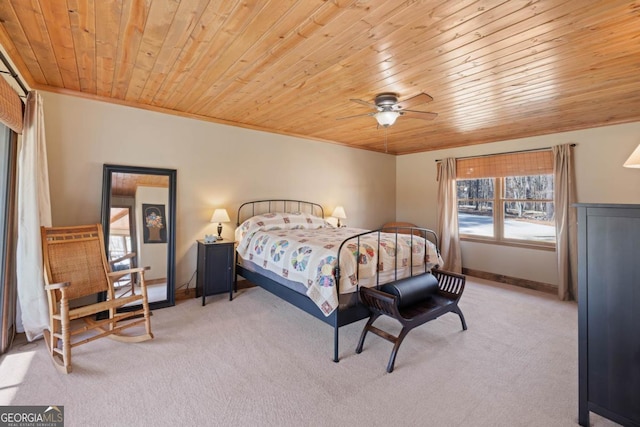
<point x="366" y="329"/>
<point x="335" y="344"/>
<point x="396" y="346"/>
<point x="459" y="313"/>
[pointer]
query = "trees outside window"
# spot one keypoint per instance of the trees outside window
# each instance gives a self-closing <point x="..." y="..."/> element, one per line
<point x="515" y="209"/>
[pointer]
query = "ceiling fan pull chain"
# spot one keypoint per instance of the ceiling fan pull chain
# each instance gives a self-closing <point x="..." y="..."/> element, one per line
<point x="385" y="139"/>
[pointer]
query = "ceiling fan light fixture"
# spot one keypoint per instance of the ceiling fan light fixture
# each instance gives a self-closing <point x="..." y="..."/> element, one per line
<point x="386" y="118"/>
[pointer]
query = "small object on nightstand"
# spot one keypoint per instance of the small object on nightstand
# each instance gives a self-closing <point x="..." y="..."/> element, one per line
<point x="210" y="238"/>
<point x="215" y="269"/>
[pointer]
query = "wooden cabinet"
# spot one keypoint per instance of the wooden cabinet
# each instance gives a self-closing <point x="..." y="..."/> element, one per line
<point x="215" y="269"/>
<point x="609" y="312"/>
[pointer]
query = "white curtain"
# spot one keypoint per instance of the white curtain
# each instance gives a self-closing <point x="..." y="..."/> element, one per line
<point x="566" y="222"/>
<point x="34" y="210"/>
<point x="448" y="216"/>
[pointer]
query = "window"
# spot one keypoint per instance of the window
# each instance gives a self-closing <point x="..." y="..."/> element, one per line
<point x="515" y="206"/>
<point x="10" y="125"/>
<point x="7" y="207"/>
<point x="119" y="246"/>
<point x="475" y="206"/>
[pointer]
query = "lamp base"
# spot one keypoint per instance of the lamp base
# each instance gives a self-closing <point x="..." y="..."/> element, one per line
<point x="219" y="231"/>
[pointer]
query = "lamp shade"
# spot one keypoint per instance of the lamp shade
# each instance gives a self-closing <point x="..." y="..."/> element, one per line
<point x="634" y="159"/>
<point x="386" y="118"/>
<point x="338" y="212"/>
<point x="220" y="215"/>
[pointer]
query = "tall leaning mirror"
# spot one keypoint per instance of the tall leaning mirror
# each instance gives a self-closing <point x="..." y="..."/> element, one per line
<point x="138" y="218"/>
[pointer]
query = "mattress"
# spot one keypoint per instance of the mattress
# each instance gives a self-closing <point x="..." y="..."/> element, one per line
<point x="303" y="250"/>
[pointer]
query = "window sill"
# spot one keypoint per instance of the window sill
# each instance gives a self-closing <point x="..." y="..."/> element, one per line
<point x="516" y="244"/>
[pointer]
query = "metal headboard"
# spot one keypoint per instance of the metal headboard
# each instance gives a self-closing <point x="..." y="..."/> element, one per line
<point x="258" y="207"/>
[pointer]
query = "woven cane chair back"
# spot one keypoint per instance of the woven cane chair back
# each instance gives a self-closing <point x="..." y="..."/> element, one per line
<point x="76" y="255"/>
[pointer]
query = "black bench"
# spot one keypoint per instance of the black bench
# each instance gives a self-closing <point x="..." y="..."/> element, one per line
<point x="412" y="301"/>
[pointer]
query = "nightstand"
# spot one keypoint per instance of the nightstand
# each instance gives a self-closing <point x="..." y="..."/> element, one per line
<point x="215" y="268"/>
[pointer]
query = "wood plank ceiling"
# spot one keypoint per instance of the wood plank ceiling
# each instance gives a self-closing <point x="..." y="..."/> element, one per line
<point x="126" y="184"/>
<point x="496" y="69"/>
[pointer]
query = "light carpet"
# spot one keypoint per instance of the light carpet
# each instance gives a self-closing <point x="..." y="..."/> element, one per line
<point x="258" y="361"/>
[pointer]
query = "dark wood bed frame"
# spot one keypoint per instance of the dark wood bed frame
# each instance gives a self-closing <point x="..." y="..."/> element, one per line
<point x="342" y="315"/>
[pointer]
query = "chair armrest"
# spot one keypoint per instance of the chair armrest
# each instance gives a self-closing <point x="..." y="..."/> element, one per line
<point x="122" y="258"/>
<point x="120" y="273"/>
<point x="380" y="302"/>
<point x="451" y="284"/>
<point x="114" y="276"/>
<point x="55" y="286"/>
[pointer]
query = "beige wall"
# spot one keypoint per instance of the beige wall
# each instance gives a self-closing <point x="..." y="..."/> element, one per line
<point x="600" y="177"/>
<point x="217" y="166"/>
<point x="223" y="166"/>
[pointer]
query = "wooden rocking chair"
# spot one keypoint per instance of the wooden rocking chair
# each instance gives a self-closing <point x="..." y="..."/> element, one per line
<point x="76" y="267"/>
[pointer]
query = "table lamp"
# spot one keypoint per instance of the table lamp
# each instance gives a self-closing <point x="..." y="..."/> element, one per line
<point x="220" y="216"/>
<point x="634" y="159"/>
<point x="338" y="212"/>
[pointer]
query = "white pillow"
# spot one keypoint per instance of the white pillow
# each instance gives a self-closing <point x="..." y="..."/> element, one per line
<point x="279" y="221"/>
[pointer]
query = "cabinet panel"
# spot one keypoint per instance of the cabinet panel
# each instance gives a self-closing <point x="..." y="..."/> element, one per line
<point x="215" y="269"/>
<point x="609" y="312"/>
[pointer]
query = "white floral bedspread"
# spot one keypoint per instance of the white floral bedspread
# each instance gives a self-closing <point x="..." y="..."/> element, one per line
<point x="303" y="248"/>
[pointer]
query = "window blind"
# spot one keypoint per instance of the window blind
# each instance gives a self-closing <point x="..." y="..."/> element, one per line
<point x="10" y="107"/>
<point x="501" y="165"/>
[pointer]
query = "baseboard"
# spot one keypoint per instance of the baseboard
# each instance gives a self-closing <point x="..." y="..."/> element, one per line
<point x="191" y="292"/>
<point x="523" y="283"/>
<point x="245" y="284"/>
<point x="185" y="293"/>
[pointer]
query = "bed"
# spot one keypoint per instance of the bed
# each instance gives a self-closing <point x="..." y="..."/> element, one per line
<point x="288" y="248"/>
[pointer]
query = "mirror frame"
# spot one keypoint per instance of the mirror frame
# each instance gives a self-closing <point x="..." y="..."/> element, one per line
<point x="108" y="171"/>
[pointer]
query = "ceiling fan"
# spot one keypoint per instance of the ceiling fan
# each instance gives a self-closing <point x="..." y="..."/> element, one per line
<point x="388" y="108"/>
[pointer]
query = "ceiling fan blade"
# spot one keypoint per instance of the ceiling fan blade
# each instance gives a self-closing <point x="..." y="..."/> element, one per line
<point x="368" y="104"/>
<point x="423" y="115"/>
<point x="421" y="98"/>
<point x="357" y="115"/>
